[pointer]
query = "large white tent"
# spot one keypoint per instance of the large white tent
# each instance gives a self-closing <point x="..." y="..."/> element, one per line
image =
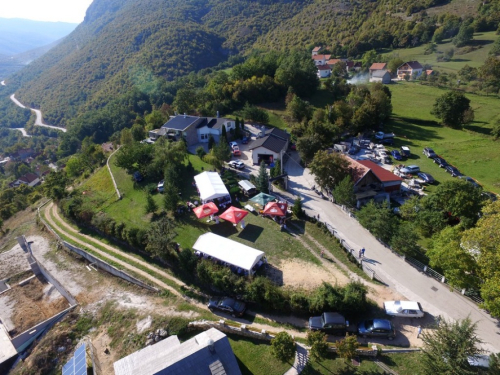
<point x="229" y="251"/>
<point x="210" y="186"/>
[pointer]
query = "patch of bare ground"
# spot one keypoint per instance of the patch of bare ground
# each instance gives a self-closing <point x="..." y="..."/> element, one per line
<point x="30" y="304"/>
<point x="24" y="222"/>
<point x="305" y="275"/>
<point x="13" y="262"/>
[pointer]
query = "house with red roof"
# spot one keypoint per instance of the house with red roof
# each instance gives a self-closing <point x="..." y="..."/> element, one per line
<point x="411" y="68"/>
<point x="315" y="51"/>
<point x="371" y="181"/>
<point x="321" y="59"/>
<point x="377" y="66"/>
<point x="30" y="179"/>
<point x="324" y="71"/>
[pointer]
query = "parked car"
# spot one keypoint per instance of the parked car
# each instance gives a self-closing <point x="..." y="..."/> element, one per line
<point x="453" y="171"/>
<point x="244" y="140"/>
<point x="405" y="309"/>
<point x="236" y="151"/>
<point x="382" y="328"/>
<point x="329" y="322"/>
<point x="385" y="159"/>
<point x="233" y="145"/>
<point x="387" y="141"/>
<point x="137" y="176"/>
<point x="353" y="150"/>
<point x="228" y="306"/>
<point x="440" y="162"/>
<point x="411" y="169"/>
<point x="161" y="186"/>
<point x="396" y="155"/>
<point x="236" y="164"/>
<point x="426" y="177"/>
<point x="405" y="151"/>
<point x="382" y="135"/>
<point x="429" y="152"/>
<point x="471" y="180"/>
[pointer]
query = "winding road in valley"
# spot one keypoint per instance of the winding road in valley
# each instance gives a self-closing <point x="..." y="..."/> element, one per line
<point x="39" y="117"/>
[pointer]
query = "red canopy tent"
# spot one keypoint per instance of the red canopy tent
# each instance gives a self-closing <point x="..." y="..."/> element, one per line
<point x="205" y="210"/>
<point x="275" y="209"/>
<point x="234" y="215"/>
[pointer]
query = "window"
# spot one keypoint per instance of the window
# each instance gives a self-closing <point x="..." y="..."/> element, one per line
<point x="204" y="136"/>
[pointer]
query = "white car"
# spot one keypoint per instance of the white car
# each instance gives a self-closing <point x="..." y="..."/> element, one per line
<point x="236" y="164"/>
<point x="405" y="309"/>
<point x="161" y="186"/>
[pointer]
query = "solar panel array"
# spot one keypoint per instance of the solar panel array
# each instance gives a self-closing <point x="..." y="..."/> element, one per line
<point x="77" y="365"/>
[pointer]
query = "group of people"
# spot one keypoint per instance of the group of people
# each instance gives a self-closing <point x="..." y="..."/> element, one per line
<point x="361" y="253"/>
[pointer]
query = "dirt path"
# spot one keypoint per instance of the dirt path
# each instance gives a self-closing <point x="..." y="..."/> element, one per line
<point x="53" y="213"/>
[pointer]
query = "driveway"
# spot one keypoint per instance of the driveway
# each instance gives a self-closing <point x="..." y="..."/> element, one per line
<point x="435" y="297"/>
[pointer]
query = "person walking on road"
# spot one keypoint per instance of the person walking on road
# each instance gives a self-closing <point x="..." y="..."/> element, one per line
<point x="363" y="252"/>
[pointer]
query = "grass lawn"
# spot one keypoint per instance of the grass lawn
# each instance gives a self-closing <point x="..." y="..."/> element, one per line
<point x="403" y="364"/>
<point x="474" y="59"/>
<point x="254" y="357"/>
<point x="471" y="150"/>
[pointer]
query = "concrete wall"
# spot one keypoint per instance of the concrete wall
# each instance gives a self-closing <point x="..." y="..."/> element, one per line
<point x="107" y="267"/>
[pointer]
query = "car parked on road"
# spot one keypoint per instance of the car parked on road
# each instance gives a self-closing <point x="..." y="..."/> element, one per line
<point x="330" y="322"/>
<point x="410" y="169"/>
<point x="453" y="171"/>
<point x="233" y="144"/>
<point x="440" y="162"/>
<point x="426" y="177"/>
<point x="236" y="164"/>
<point x="382" y="328"/>
<point x="396" y="155"/>
<point x="227" y="305"/>
<point x="405" y="151"/>
<point x="236" y="151"/>
<point x="429" y="152"/>
<point x="405" y="309"/>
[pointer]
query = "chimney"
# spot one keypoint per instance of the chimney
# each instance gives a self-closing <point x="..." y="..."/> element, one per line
<point x="211" y="346"/>
<point x="185" y="115"/>
<point x="217" y="114"/>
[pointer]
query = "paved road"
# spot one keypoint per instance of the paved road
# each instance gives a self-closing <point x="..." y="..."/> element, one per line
<point x="436" y="298"/>
<point x="22" y="130"/>
<point x="38" y="121"/>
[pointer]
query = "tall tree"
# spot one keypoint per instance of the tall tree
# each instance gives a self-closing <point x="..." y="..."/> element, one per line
<point x="151" y="205"/>
<point x="452" y="108"/>
<point x="344" y="192"/>
<point x="329" y="169"/>
<point x="447" y="349"/>
<point x="263" y="178"/>
<point x="160" y="236"/>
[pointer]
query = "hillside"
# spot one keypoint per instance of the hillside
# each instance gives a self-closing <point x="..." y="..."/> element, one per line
<point x="122" y="40"/>
<point x="19" y="35"/>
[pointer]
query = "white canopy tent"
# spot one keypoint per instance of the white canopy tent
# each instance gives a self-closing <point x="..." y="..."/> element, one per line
<point x="210" y="186"/>
<point x="228" y="251"/>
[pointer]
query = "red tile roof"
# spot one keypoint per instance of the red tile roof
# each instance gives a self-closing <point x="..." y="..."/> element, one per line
<point x="316" y="49"/>
<point x="333" y="61"/>
<point x="324" y="67"/>
<point x="382" y="174"/>
<point x="412" y="65"/>
<point x="358" y="171"/>
<point x="378" y="66"/>
<point x="319" y="57"/>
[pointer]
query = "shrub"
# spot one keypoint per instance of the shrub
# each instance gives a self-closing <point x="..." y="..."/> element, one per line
<point x="283" y="347"/>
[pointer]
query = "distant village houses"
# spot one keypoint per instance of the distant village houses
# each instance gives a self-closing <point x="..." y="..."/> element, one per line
<point x="325" y="63"/>
<point x="411" y="69"/>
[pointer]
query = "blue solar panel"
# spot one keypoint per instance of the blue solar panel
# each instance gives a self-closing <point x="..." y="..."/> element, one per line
<point x="77" y="364"/>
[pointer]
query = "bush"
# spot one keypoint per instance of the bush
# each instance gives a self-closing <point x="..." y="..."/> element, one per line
<point x="283" y="347"/>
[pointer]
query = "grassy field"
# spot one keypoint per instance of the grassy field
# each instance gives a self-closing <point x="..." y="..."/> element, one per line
<point x="483" y="42"/>
<point x="471" y="150"/>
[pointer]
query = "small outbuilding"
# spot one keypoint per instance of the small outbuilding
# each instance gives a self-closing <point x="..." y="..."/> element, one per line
<point x="382" y="76"/>
<point x="247" y="187"/>
<point x="210" y="187"/>
<point x="228" y="251"/>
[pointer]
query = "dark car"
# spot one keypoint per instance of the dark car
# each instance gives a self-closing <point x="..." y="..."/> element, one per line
<point x="429" y="152"/>
<point x="387" y="141"/>
<point x="441" y="162"/>
<point x="137" y="176"/>
<point x="426" y="177"/>
<point x="244" y="140"/>
<point x="353" y="150"/>
<point x="453" y="171"/>
<point x="396" y="155"/>
<point x="382" y="328"/>
<point x="470" y="180"/>
<point x="228" y="306"/>
<point x="405" y="151"/>
<point x="329" y="322"/>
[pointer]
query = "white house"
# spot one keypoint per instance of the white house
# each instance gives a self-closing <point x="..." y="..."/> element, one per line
<point x="321" y="59"/>
<point x="315" y="51"/>
<point x="270" y="147"/>
<point x="324" y="71"/>
<point x="29" y="179"/>
<point x="213" y="126"/>
<point x="410" y="68"/>
<point x="382" y="76"/>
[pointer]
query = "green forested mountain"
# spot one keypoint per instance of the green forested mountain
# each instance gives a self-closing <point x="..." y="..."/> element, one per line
<point x="133" y="48"/>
